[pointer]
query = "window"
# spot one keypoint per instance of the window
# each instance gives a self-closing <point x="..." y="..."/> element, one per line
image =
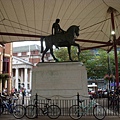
<point x="28" y="86"/>
<point x="6" y="63"/>
<point x="14" y="54"/>
<point x="33" y="52"/>
<point x="23" y="53"/>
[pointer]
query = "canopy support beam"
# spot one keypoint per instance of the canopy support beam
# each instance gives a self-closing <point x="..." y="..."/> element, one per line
<point x="39" y="36"/>
<point x="115" y="49"/>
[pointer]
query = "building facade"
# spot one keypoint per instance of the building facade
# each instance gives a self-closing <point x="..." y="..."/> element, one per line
<point x="29" y="53"/>
<point x="24" y="59"/>
<point x="21" y="74"/>
<point x="6" y="66"/>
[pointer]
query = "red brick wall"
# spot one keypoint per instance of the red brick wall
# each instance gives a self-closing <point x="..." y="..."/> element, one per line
<point x="8" y="48"/>
<point x="34" y="60"/>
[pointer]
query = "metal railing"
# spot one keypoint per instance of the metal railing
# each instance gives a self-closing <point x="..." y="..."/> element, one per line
<point x="66" y="102"/>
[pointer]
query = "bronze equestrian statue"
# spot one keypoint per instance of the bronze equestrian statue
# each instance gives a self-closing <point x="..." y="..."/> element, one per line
<point x="66" y="39"/>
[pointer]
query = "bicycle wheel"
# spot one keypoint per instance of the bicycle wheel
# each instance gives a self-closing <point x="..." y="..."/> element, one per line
<point x="99" y="112"/>
<point x="53" y="111"/>
<point x="31" y="111"/>
<point x="75" y="112"/>
<point x="1" y="109"/>
<point x="18" y="111"/>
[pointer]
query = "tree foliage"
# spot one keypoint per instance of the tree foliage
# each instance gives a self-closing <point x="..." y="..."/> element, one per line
<point x="98" y="62"/>
<point x="62" y="54"/>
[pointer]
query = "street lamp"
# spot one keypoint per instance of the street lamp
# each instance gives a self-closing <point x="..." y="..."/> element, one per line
<point x="112" y="32"/>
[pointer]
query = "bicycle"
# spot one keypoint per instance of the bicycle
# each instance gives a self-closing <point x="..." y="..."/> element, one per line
<point x="76" y="112"/>
<point x="18" y="111"/>
<point x="115" y="104"/>
<point x="113" y="100"/>
<point x="52" y="111"/>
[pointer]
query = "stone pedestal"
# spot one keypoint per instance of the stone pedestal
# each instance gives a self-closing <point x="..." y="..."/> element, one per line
<point x="64" y="79"/>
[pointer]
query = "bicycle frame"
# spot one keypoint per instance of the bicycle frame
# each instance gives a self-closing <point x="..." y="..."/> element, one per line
<point x="89" y="106"/>
<point x="44" y="110"/>
<point x="8" y="106"/>
<point x="18" y="111"/>
<point x="77" y="111"/>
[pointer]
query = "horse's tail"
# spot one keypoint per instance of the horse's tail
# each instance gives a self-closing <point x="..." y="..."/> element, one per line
<point x="42" y="38"/>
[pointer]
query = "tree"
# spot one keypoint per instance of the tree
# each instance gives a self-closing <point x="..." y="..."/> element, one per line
<point x="98" y="65"/>
<point x="62" y="54"/>
<point x="96" y="61"/>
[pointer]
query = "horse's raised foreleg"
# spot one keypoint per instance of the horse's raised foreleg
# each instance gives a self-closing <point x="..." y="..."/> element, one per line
<point x="69" y="52"/>
<point x="78" y="52"/>
<point x="51" y="51"/>
<point x="77" y="45"/>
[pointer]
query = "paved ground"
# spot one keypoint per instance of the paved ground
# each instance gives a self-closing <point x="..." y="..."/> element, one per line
<point x="10" y="117"/>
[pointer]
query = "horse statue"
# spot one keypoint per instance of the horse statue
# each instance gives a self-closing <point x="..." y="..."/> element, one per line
<point x="66" y="39"/>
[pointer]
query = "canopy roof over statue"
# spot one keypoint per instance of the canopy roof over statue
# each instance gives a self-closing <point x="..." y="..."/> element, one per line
<point x="23" y="20"/>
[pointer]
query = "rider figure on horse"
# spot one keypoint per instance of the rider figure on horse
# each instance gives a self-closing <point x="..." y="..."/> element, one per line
<point x="56" y="29"/>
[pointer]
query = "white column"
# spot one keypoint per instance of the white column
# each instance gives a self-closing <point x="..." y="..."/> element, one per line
<point x="30" y="82"/>
<point x="16" y="78"/>
<point x="25" y="78"/>
<point x="22" y="76"/>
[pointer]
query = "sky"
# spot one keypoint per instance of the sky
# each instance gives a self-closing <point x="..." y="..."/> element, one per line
<point x="24" y="43"/>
